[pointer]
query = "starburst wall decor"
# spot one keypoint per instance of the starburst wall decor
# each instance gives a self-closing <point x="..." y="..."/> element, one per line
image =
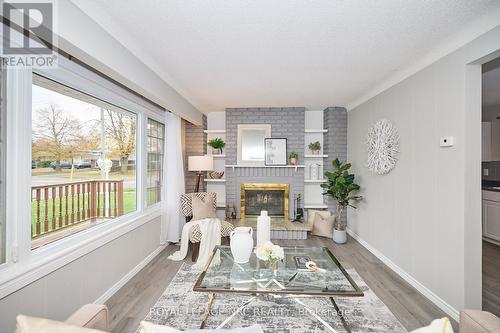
<point x="382" y="145"/>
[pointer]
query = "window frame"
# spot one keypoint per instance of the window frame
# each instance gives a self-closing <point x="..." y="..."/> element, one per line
<point x="24" y="265"/>
<point x="162" y="166"/>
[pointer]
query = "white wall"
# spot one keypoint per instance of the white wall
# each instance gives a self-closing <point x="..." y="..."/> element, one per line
<point x="82" y="281"/>
<point x="83" y="38"/>
<point x="424" y="217"/>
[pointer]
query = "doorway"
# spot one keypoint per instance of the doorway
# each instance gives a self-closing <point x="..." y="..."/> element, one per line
<point x="490" y="175"/>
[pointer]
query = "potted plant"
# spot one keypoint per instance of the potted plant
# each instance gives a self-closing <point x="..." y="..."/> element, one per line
<point x="293" y="158"/>
<point x="315" y="147"/>
<point x="341" y="187"/>
<point x="217" y="144"/>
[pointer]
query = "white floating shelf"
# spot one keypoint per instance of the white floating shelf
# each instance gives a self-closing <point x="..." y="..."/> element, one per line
<point x="315" y="156"/>
<point x="315" y="206"/>
<point x="264" y="166"/>
<point x="315" y="181"/>
<point x="316" y="131"/>
<point x="214" y="131"/>
<point x="210" y="180"/>
<point x="218" y="156"/>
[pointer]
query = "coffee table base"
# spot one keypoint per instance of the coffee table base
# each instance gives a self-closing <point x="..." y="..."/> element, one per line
<point x="297" y="300"/>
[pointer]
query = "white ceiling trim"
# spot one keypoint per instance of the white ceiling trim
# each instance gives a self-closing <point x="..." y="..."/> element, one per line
<point x="461" y="38"/>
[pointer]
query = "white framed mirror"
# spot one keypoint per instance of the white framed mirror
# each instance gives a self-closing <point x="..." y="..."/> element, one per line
<point x="251" y="149"/>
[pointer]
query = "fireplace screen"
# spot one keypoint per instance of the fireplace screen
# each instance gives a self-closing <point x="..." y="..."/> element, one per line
<point x="258" y="197"/>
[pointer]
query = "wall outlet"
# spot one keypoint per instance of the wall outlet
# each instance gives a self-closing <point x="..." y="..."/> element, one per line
<point x="446" y="141"/>
<point x="486" y="172"/>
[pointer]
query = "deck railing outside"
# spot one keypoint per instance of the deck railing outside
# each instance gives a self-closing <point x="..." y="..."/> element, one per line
<point x="55" y="207"/>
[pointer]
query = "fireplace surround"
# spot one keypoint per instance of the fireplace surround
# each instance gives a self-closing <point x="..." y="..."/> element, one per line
<point x="264" y="196"/>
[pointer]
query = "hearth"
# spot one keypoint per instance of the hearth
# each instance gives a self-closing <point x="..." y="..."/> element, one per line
<point x="271" y="197"/>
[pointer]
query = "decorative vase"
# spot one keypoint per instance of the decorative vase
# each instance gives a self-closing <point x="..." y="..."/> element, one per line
<point x="339" y="236"/>
<point x="314" y="171"/>
<point x="293" y="161"/>
<point x="263" y="228"/>
<point x="316" y="152"/>
<point x="274" y="268"/>
<point x="241" y="244"/>
<point x="267" y="269"/>
<point x="215" y="151"/>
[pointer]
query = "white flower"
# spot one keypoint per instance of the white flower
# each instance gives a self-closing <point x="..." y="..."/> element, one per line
<point x="269" y="251"/>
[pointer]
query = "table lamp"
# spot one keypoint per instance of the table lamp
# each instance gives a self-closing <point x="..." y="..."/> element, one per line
<point x="200" y="164"/>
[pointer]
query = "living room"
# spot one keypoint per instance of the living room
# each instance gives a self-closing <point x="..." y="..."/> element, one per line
<point x="246" y="166"/>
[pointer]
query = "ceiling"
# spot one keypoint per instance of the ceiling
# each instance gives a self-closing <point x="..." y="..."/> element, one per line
<point x="243" y="53"/>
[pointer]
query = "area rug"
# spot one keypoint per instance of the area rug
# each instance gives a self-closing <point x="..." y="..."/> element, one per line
<point x="182" y="308"/>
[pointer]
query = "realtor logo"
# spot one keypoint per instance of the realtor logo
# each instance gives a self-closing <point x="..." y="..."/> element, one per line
<point x="27" y="34"/>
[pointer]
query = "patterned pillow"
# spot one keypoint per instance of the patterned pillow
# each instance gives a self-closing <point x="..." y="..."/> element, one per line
<point x="187" y="201"/>
<point x="203" y="209"/>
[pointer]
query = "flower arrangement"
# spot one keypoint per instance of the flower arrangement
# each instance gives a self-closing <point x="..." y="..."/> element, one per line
<point x="269" y="252"/>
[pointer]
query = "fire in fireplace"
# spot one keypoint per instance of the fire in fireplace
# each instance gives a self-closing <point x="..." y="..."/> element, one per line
<point x="271" y="197"/>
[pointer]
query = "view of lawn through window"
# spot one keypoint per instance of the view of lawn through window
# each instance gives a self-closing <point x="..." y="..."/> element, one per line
<point x="156" y="144"/>
<point x="83" y="161"/>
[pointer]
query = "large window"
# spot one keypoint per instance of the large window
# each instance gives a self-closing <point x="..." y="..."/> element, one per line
<point x="83" y="161"/>
<point x="2" y="165"/>
<point x="156" y="145"/>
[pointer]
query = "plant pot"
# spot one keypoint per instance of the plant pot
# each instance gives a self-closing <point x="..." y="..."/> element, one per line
<point x="339" y="236"/>
<point x="315" y="152"/>
<point x="215" y="151"/>
<point x="293" y="161"/>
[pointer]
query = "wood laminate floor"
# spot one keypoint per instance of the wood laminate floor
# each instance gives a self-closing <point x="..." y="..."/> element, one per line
<point x="491" y="278"/>
<point x="133" y="301"/>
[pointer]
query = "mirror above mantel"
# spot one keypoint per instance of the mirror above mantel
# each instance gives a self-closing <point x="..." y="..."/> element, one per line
<point x="251" y="149"/>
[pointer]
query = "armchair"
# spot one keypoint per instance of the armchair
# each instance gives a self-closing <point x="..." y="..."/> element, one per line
<point x="195" y="234"/>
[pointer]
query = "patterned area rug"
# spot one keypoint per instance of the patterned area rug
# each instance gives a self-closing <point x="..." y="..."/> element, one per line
<point x="182" y="308"/>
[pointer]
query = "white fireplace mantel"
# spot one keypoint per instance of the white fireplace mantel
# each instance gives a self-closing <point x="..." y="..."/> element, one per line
<point x="264" y="166"/>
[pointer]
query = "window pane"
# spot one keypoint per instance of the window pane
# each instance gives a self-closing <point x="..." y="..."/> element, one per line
<point x="83" y="168"/>
<point x="155" y="161"/>
<point x="2" y="165"/>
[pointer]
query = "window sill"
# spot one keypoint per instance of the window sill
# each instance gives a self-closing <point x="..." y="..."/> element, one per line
<point x="51" y="257"/>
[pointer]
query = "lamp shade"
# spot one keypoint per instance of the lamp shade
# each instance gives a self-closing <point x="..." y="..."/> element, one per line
<point x="200" y="163"/>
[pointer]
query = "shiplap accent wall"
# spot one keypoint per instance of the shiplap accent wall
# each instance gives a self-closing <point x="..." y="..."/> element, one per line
<point x="335" y="119"/>
<point x="195" y="141"/>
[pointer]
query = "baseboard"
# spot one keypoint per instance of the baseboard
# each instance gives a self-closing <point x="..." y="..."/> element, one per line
<point x="111" y="291"/>
<point x="439" y="302"/>
<point x="492" y="241"/>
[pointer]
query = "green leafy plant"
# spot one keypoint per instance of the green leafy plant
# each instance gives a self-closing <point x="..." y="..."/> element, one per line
<point x="341" y="187"/>
<point x="217" y="143"/>
<point x="315" y="145"/>
<point x="294" y="154"/>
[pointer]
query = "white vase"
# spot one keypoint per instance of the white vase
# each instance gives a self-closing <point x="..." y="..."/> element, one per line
<point x="263" y="228"/>
<point x="314" y="171"/>
<point x="241" y="244"/>
<point x="339" y="236"/>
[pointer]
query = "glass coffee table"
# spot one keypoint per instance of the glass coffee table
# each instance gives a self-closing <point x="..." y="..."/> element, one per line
<point x="290" y="279"/>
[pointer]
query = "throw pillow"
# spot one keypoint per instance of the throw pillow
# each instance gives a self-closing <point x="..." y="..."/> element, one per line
<point x="27" y="324"/>
<point x="147" y="327"/>
<point x="311" y="213"/>
<point x="203" y="209"/>
<point x="323" y="226"/>
<point x="442" y="325"/>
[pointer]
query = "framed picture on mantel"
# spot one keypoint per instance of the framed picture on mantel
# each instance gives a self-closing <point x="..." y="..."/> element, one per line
<point x="275" y="151"/>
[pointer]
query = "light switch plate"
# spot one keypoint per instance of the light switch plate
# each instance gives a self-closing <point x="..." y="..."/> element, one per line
<point x="446" y="141"/>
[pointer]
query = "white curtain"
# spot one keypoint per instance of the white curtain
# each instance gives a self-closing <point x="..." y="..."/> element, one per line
<point x="173" y="180"/>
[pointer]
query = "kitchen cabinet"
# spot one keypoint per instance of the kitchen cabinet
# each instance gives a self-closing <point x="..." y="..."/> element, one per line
<point x="491" y="215"/>
<point x="490" y="140"/>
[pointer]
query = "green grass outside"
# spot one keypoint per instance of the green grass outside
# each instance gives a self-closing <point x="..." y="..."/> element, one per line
<point x="129" y="205"/>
